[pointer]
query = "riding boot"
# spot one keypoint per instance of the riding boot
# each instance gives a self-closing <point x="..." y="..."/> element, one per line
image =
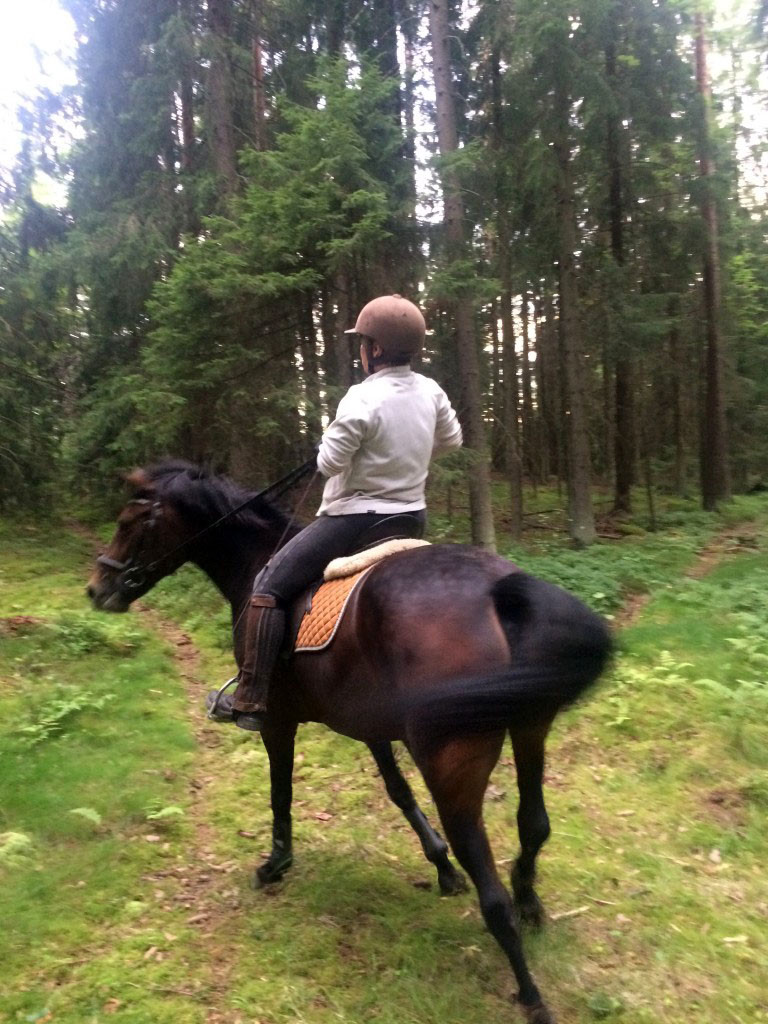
<point x="264" y="631"/>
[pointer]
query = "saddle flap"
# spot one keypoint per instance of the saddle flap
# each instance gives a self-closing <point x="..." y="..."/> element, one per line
<point x="321" y="621"/>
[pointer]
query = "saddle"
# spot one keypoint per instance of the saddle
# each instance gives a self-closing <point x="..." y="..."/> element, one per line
<point x="322" y="608"/>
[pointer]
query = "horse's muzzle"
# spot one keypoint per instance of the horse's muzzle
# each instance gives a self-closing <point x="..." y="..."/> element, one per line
<point x="106" y="599"/>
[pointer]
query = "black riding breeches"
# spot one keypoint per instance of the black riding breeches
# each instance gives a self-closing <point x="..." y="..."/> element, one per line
<point x="303" y="559"/>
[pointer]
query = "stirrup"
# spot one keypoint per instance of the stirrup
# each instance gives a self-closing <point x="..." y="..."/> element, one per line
<point x="214" y="704"/>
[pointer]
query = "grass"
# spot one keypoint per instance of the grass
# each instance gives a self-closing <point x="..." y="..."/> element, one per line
<point x="657" y="791"/>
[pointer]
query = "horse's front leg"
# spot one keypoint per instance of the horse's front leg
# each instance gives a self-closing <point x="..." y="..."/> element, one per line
<point x="434" y="846"/>
<point x="279" y="738"/>
<point x="532" y="819"/>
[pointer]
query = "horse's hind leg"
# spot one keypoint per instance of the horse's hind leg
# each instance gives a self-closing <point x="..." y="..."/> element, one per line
<point x="434" y="846"/>
<point x="532" y="819"/>
<point x="457" y="775"/>
<point x="279" y="741"/>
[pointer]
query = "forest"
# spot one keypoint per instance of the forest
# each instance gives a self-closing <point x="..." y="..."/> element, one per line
<point x="573" y="192"/>
<point x="576" y="195"/>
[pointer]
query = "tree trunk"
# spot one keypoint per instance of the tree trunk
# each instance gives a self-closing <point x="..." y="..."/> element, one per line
<point x="539" y="461"/>
<point x="678" y="414"/>
<point x="336" y="20"/>
<point x="481" y="512"/>
<point x="549" y="392"/>
<point x="415" y="258"/>
<point x="513" y="463"/>
<point x="581" y="522"/>
<point x="311" y="374"/>
<point x="528" y="424"/>
<point x="221" y="134"/>
<point x="715" y="476"/>
<point x="186" y="91"/>
<point x="624" y="440"/>
<point x="497" y="403"/>
<point x="257" y="74"/>
<point x="344" y="320"/>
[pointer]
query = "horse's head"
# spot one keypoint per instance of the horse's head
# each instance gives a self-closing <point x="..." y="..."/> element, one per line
<point x="169" y="519"/>
<point x="147" y="545"/>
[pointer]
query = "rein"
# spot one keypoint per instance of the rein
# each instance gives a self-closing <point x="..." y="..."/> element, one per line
<point x="134" y="575"/>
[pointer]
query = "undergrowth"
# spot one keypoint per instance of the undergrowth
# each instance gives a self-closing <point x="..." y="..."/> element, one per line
<point x="656" y="787"/>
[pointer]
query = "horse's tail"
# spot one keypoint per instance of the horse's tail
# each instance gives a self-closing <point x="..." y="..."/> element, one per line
<point x="558" y="645"/>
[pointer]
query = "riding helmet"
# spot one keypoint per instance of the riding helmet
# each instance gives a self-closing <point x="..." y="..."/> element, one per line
<point x="394" y="323"/>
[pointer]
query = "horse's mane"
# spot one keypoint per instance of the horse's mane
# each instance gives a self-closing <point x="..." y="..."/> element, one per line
<point x="204" y="495"/>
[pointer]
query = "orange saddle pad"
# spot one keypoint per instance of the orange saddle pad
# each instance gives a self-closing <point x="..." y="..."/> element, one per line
<point x="319" y="624"/>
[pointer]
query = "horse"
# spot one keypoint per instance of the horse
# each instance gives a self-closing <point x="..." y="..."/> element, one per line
<point x="444" y="647"/>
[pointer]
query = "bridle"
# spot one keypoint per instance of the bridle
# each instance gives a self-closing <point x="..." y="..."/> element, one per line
<point x="133" y="575"/>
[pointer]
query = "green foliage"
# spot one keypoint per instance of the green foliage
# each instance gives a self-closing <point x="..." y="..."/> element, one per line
<point x="15" y="849"/>
<point x="88" y="813"/>
<point x="164" y="813"/>
<point x="56" y="713"/>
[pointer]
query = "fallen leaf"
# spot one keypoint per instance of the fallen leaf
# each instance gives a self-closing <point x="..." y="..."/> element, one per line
<point x="716" y="857"/>
<point x="245" y="834"/>
<point x="152" y="838"/>
<point x="323" y="815"/>
<point x="112" y="1006"/>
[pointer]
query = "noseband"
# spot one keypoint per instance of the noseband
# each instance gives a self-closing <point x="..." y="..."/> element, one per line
<point x="133" y="574"/>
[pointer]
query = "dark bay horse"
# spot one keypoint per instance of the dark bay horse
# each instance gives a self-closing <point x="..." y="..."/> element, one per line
<point x="445" y="647"/>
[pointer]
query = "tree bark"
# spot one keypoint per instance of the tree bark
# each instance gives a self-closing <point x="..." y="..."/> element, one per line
<point x="527" y="419"/>
<point x="481" y="513"/>
<point x="313" y="408"/>
<point x="257" y="75"/>
<point x="221" y="134"/>
<point x="581" y="522"/>
<point x="186" y="91"/>
<point x="715" y="476"/>
<point x="513" y="463"/>
<point x="335" y="25"/>
<point x="341" y="348"/>
<point x="678" y="414"/>
<point x="624" y="439"/>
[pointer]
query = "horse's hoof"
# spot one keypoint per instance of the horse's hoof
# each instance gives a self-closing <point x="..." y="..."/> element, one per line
<point x="452" y="883"/>
<point x="531" y="910"/>
<point x="539" y="1014"/>
<point x="268" y="874"/>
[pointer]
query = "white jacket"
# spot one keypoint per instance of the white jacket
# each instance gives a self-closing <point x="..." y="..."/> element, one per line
<point x="376" y="453"/>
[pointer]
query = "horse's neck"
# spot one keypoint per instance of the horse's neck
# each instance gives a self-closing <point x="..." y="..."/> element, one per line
<point x="232" y="559"/>
<point x="231" y="563"/>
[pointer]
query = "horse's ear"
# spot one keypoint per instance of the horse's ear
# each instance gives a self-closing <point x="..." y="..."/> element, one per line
<point x="140" y="484"/>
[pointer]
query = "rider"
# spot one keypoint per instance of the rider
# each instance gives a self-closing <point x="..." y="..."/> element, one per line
<point x="376" y="455"/>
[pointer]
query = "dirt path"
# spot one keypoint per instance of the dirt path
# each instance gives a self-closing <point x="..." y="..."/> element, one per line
<point x="200" y="885"/>
<point x="728" y="541"/>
